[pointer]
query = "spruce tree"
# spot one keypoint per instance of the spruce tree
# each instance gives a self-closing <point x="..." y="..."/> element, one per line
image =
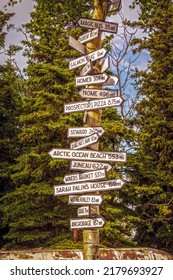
<point x="151" y="169"/>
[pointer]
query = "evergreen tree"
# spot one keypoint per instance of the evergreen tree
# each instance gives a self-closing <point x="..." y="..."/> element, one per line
<point x="151" y="169"/>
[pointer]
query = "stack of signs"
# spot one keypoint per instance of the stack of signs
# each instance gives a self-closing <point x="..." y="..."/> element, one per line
<point x="92" y="164"/>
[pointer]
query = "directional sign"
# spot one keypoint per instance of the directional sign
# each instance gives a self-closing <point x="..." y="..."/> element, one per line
<point x="92" y="105"/>
<point x="76" y="45"/>
<point x="114" y="5"/>
<point x="85" y="199"/>
<point x="84" y="59"/>
<point x="87" y="165"/>
<point x="111" y="81"/>
<point x="92" y="93"/>
<point x="91" y="80"/>
<point x="87" y="223"/>
<point x="84" y="131"/>
<point x="83" y="211"/>
<point x="86" y="176"/>
<point x="84" y="142"/>
<point x="86" y="187"/>
<point x="102" y="25"/>
<point x="87" y="68"/>
<point x="84" y="38"/>
<point x="88" y="155"/>
<point x="105" y="65"/>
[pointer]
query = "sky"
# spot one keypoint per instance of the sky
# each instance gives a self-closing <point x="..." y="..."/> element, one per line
<point x="22" y="15"/>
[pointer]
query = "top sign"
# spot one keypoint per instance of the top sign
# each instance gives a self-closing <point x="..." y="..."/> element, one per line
<point x="114" y="5"/>
<point x="102" y="25"/>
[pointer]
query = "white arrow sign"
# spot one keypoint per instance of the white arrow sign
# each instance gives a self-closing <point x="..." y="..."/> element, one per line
<point x="84" y="142"/>
<point x="76" y="45"/>
<point x="92" y="105"/>
<point x="87" y="68"/>
<point x="90" y="80"/>
<point x="87" y="223"/>
<point x="111" y="81"/>
<point x="102" y="25"/>
<point x="114" y="5"/>
<point x="87" y="165"/>
<point x="86" y="187"/>
<point x="85" y="199"/>
<point x="84" y="59"/>
<point x="86" y="176"/>
<point x="92" y="93"/>
<point x="88" y="155"/>
<point x="77" y="132"/>
<point x="83" y="211"/>
<point x="105" y="65"/>
<point x="84" y="38"/>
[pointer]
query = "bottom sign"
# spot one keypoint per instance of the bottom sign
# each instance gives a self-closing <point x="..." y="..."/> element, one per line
<point x="88" y="223"/>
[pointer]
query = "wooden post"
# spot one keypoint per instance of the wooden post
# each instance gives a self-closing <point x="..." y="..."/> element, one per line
<point x="91" y="240"/>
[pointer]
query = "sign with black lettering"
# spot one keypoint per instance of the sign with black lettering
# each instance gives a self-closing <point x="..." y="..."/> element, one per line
<point x="77" y="132"/>
<point x="87" y="68"/>
<point x="89" y="36"/>
<point x="89" y="165"/>
<point x="86" y="176"/>
<point x="83" y="211"/>
<point x="88" y="155"/>
<point x="85" y="199"/>
<point x="92" y="105"/>
<point x="93" y="93"/>
<point x="84" y="142"/>
<point x="91" y="79"/>
<point x="102" y="25"/>
<point x="84" y="59"/>
<point x="87" y="223"/>
<point x="85" y="187"/>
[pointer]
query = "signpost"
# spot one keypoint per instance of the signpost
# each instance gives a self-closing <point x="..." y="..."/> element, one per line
<point x="86" y="176"/>
<point x="102" y="25"/>
<point x="85" y="199"/>
<point x="83" y="211"/>
<point x="89" y="165"/>
<point x="87" y="223"/>
<point x="114" y="5"/>
<point x="76" y="45"/>
<point x="91" y="80"/>
<point x="93" y="93"/>
<point x="89" y="36"/>
<point x="66" y="189"/>
<point x="84" y="131"/>
<point x="84" y="59"/>
<point x="92" y="105"/>
<point x="88" y="155"/>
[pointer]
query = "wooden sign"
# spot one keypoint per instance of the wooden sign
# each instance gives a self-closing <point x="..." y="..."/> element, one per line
<point x="77" y="132"/>
<point x="85" y="199"/>
<point x="89" y="165"/>
<point x="86" y="176"/>
<point x="89" y="36"/>
<point x="112" y="81"/>
<point x="76" y="45"/>
<point x="102" y="25"/>
<point x="92" y="93"/>
<point x="87" y="68"/>
<point x="83" y="211"/>
<point x="84" y="59"/>
<point x="87" y="223"/>
<point x="84" y="142"/>
<point x="86" y="187"/>
<point x="88" y="155"/>
<point x="91" y="79"/>
<point x="92" y="105"/>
